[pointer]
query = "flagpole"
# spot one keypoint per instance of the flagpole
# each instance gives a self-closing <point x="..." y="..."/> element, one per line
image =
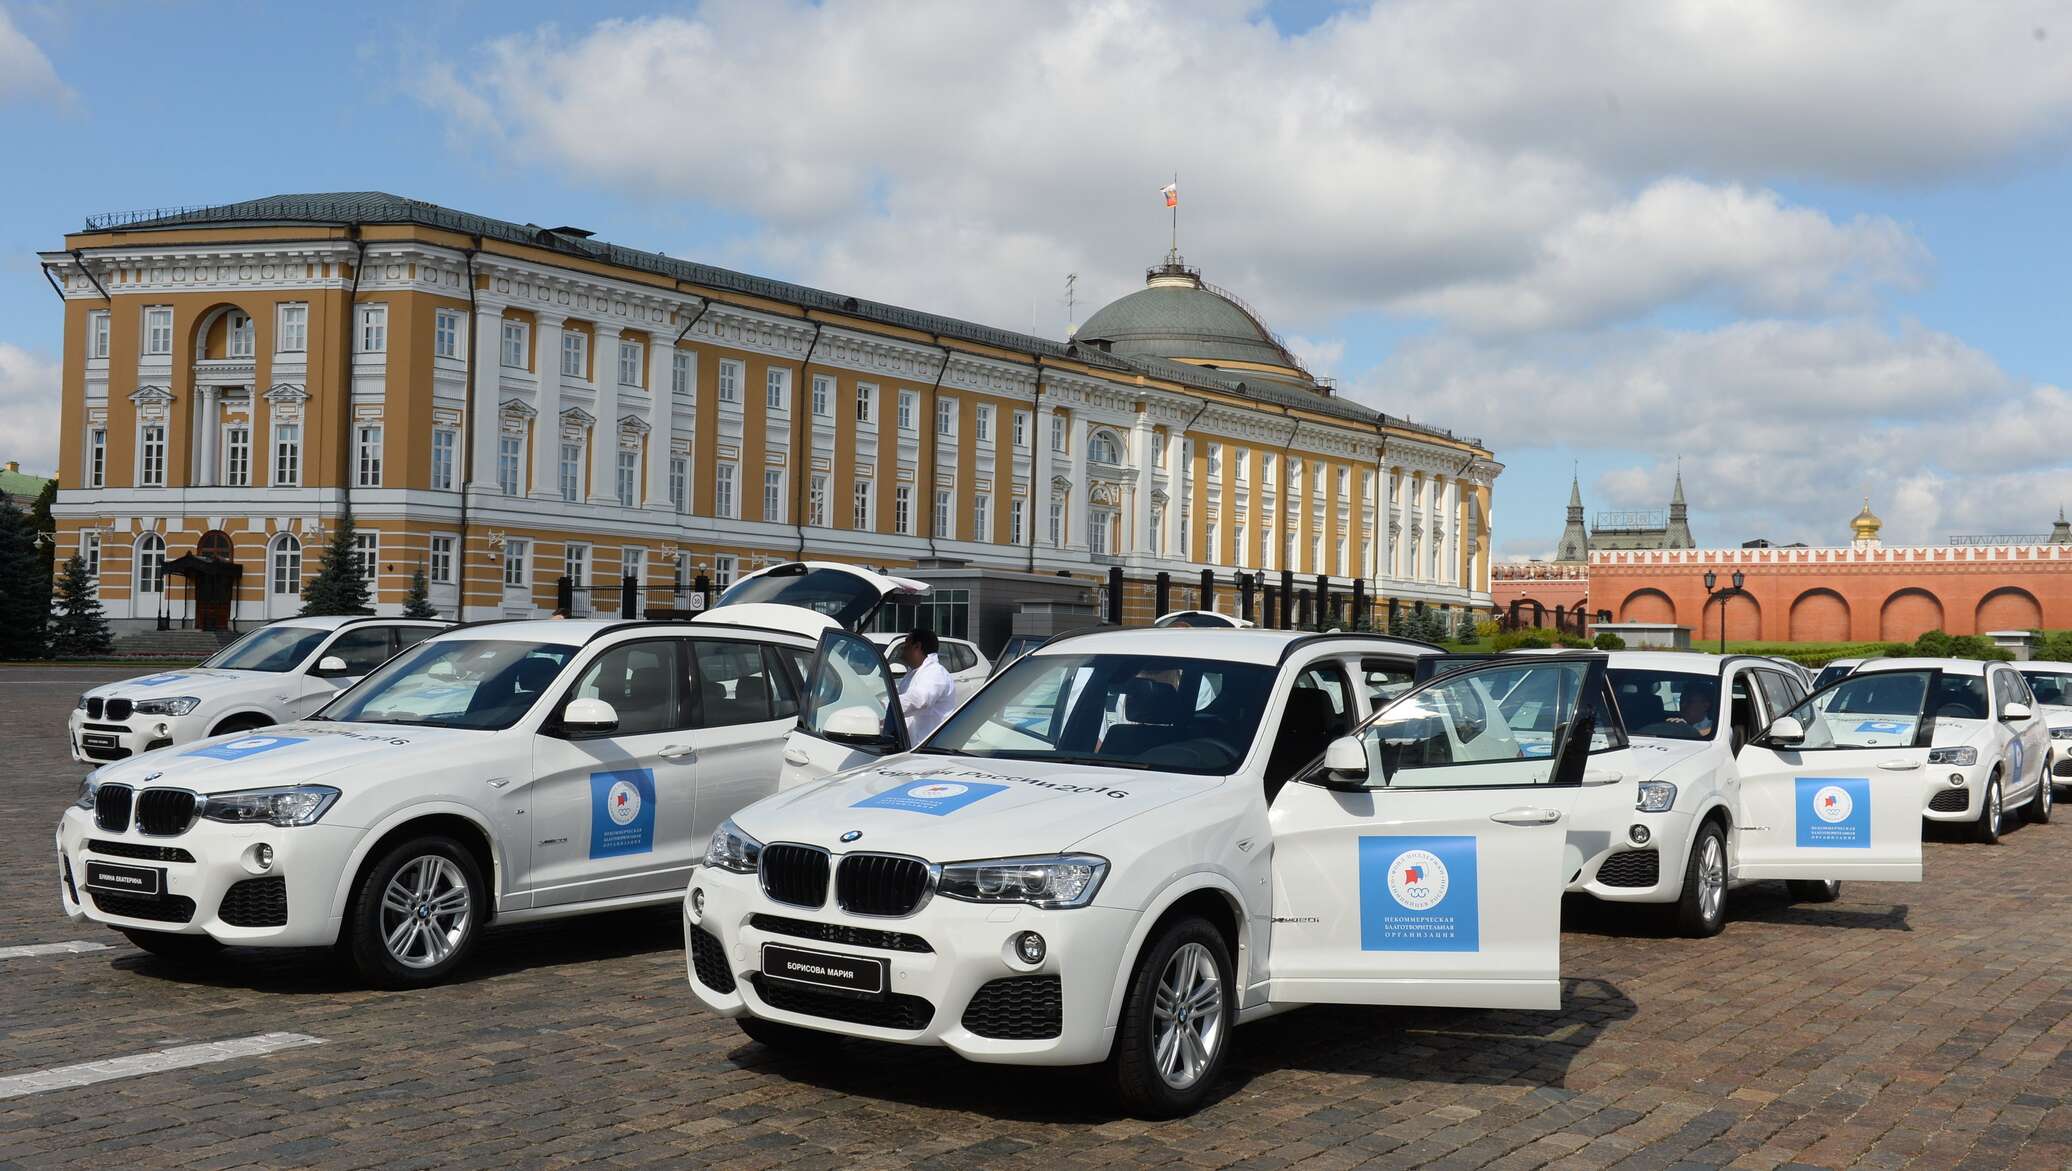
<point x="1176" y="217"/>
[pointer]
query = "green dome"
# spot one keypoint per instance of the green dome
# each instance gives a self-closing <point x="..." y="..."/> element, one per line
<point x="1178" y="318"/>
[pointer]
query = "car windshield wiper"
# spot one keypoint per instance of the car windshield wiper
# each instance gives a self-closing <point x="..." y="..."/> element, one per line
<point x="1087" y="758"/>
<point x="937" y="750"/>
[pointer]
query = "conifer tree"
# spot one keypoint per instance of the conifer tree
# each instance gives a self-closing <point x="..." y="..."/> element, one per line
<point x="24" y="585"/>
<point x="338" y="587"/>
<point x="78" y="625"/>
<point x="418" y="603"/>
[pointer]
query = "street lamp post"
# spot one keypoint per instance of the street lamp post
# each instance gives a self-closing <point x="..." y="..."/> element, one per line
<point x="1712" y="591"/>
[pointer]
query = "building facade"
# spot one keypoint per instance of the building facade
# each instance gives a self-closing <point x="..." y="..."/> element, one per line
<point x="502" y="405"/>
<point x="1624" y="530"/>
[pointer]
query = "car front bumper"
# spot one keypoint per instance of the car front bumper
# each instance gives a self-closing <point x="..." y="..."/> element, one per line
<point x="1624" y="872"/>
<point x="201" y="873"/>
<point x="102" y="741"/>
<point x="1941" y="800"/>
<point x="930" y="994"/>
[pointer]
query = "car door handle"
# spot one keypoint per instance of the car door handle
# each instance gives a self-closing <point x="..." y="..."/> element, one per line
<point x="679" y="752"/>
<point x="1603" y="776"/>
<point x="797" y="756"/>
<point x="1899" y="766"/>
<point x="1527" y="816"/>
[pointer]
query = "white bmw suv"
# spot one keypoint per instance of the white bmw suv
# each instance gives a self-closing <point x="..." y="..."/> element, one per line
<point x="1992" y="747"/>
<point x="277" y="673"/>
<point x="2051" y="684"/>
<point x="1130" y="841"/>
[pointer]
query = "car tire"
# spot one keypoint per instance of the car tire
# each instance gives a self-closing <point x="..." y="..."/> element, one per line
<point x="416" y="913"/>
<point x="186" y="950"/>
<point x="1166" y="1060"/>
<point x="241" y="723"/>
<point x="1701" y="911"/>
<point x="1814" y="890"/>
<point x="2039" y="805"/>
<point x="1986" y="830"/>
<point x="786" y="1038"/>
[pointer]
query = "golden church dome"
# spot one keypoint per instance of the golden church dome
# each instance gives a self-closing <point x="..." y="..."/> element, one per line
<point x="1865" y="524"/>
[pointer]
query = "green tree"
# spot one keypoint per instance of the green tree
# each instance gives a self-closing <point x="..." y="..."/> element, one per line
<point x="1464" y="631"/>
<point x="47" y="528"/>
<point x="1608" y="640"/>
<point x="338" y="587"/>
<point x="78" y="625"/>
<point x="24" y="585"/>
<point x="418" y="603"/>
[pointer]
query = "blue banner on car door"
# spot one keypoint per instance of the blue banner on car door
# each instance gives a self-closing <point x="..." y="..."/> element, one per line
<point x="622" y="812"/>
<point x="1419" y="893"/>
<point x="1834" y="812"/>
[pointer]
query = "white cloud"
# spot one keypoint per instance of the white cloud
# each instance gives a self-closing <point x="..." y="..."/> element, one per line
<point x="25" y="73"/>
<point x="28" y="408"/>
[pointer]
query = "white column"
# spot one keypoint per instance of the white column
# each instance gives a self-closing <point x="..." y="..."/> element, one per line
<point x="546" y="429"/>
<point x="1080" y="505"/>
<point x="483" y="372"/>
<point x="604" y="435"/>
<point x="210" y="428"/>
<point x="1141" y="445"/>
<point x="1453" y="523"/>
<point x="1039" y="476"/>
<point x="1177" y="487"/>
<point x="660" y="354"/>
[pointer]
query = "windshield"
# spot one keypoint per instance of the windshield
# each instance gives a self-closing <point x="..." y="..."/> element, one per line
<point x="1667" y="705"/>
<point x="842" y="596"/>
<point x="1959" y="697"/>
<point x="2051" y="687"/>
<point x="1829" y="674"/>
<point x="455" y="683"/>
<point x="1124" y="711"/>
<point x="270" y="648"/>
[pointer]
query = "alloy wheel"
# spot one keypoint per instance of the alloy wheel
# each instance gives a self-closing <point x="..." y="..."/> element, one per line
<point x="1993" y="800"/>
<point x="426" y="911"/>
<point x="1187" y="1016"/>
<point x="1712" y="879"/>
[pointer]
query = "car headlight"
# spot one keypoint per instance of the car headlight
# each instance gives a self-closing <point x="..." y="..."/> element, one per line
<point x="178" y="705"/>
<point x="290" y="805"/>
<point x="1963" y="755"/>
<point x="1054" y="882"/>
<point x="1656" y="797"/>
<point x="2064" y="733"/>
<point x="730" y="849"/>
<point x="81" y="705"/>
<point x="87" y="786"/>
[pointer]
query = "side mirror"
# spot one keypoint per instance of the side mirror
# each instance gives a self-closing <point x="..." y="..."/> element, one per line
<point x="589" y="716"/>
<point x="1787" y="730"/>
<point x="331" y="665"/>
<point x="2015" y="711"/>
<point x="856" y="725"/>
<point x="1345" y="759"/>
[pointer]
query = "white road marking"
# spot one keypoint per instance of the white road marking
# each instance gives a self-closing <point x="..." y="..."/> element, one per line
<point x="69" y="947"/>
<point x="179" y="1057"/>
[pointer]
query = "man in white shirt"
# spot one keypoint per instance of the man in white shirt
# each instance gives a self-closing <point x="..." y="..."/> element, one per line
<point x="927" y="694"/>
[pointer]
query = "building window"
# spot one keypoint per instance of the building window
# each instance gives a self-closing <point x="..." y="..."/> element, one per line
<point x="444" y="440"/>
<point x="1097" y="524"/>
<point x="1237" y="546"/>
<point x="90" y="555"/>
<point x="1057" y="521"/>
<point x="1021" y="429"/>
<point x="681" y="370"/>
<point x="773" y="495"/>
<point x="158" y="331"/>
<point x="1057" y="432"/>
<point x="943" y="517"/>
<point x="237" y="336"/>
<point x="1266" y="468"/>
<point x="724" y="567"/>
<point x="446" y="334"/>
<point x="442" y="560"/>
<point x="571" y="472"/>
<point x="902" y="508"/>
<point x="150" y="575"/>
<point x="577" y="566"/>
<point x="679" y="483"/>
<point x="292" y="336"/>
<point x="151" y="456"/>
<point x="777" y="389"/>
<point x="629" y="479"/>
<point x="629" y="363"/>
<point x="284" y="566"/>
<point x="97" y="458"/>
<point x="1209" y="551"/>
<point x="1238" y="471"/>
<point x="517" y="339"/>
<point x="369" y="471"/>
<point x="367" y="553"/>
<point x="723" y="491"/>
<point x="866" y="402"/>
<point x="1341" y="556"/>
<point x="237" y="457"/>
<point x="97" y="334"/>
<point x="373" y="329"/>
<point x="982" y="517"/>
<point x="945" y="416"/>
<point x="730" y="382"/>
<point x="575" y="354"/>
<point x="1215" y="460"/>
<point x="1158" y="530"/>
<point x="287" y="455"/>
<point x="510" y="460"/>
<point x="860" y="508"/>
<point x="514" y="563"/>
<point x="1017" y="521"/>
<point x="1104" y="448"/>
<point x="982" y="423"/>
<point x="633" y="564"/>
<point x="907" y="402"/>
<point x="816" y="502"/>
<point x="823" y="396"/>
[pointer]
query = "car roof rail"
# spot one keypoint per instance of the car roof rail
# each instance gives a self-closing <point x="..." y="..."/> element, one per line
<point x="1303" y="641"/>
<point x="686" y="623"/>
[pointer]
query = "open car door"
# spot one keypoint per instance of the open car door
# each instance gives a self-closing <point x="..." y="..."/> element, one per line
<point x="849" y="715"/>
<point x="1832" y="789"/>
<point x="1421" y="862"/>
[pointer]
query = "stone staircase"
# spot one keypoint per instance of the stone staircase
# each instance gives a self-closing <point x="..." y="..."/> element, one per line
<point x="191" y="645"/>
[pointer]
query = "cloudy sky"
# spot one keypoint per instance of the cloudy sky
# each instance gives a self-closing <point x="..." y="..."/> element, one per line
<point x="1816" y="251"/>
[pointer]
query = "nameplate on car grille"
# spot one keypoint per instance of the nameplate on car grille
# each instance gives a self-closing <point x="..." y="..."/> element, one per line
<point x="821" y="969"/>
<point x="130" y="880"/>
<point x="93" y="741"/>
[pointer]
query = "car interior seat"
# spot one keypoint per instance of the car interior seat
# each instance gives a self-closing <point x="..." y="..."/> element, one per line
<point x="1307" y="724"/>
<point x="1153" y="710"/>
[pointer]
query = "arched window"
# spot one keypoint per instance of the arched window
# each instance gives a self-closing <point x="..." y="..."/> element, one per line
<point x="284" y="565"/>
<point x="1104" y="448"/>
<point x="150" y="564"/>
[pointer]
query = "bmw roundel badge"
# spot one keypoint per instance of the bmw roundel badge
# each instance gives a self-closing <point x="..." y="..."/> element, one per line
<point x="852" y="835"/>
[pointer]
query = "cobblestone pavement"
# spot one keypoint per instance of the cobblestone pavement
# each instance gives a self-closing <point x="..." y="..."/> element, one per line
<point x="1921" y="1026"/>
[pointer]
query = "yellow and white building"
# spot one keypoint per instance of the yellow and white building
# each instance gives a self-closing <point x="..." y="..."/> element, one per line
<point x="501" y="404"/>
